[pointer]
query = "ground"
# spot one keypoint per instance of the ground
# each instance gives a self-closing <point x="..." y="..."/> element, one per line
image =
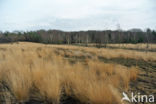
<point x="34" y="73"/>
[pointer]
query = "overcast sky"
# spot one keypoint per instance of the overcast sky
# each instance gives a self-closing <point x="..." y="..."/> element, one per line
<point x="71" y="15"/>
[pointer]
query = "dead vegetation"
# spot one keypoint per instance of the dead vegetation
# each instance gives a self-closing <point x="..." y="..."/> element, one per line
<point x="106" y="53"/>
<point x="139" y="46"/>
<point x="48" y="69"/>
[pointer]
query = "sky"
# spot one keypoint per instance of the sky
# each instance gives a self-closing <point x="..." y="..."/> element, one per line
<point x="76" y="15"/>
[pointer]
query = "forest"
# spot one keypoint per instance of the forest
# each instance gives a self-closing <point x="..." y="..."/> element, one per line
<point x="80" y="37"/>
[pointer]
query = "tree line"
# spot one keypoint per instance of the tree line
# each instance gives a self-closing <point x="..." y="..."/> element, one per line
<point x="80" y="37"/>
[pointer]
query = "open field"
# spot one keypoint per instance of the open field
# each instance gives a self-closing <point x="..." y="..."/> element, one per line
<point x="141" y="46"/>
<point x="33" y="73"/>
<point x="146" y="47"/>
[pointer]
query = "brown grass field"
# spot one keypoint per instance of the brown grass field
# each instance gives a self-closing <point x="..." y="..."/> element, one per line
<point x="33" y="73"/>
<point x="127" y="46"/>
<point x="135" y="46"/>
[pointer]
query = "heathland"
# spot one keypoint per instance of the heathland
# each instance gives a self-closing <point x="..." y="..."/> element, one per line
<point x="34" y="73"/>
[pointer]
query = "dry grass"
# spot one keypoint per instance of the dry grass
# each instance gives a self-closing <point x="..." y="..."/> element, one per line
<point x="46" y="79"/>
<point x="108" y="53"/>
<point x="135" y="46"/>
<point x="27" y="65"/>
<point x="133" y="73"/>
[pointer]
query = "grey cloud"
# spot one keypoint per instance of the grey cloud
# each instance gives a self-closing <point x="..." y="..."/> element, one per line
<point x="76" y="14"/>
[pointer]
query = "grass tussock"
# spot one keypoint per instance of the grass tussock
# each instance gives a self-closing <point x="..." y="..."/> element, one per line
<point x="27" y="66"/>
<point x="133" y="73"/>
